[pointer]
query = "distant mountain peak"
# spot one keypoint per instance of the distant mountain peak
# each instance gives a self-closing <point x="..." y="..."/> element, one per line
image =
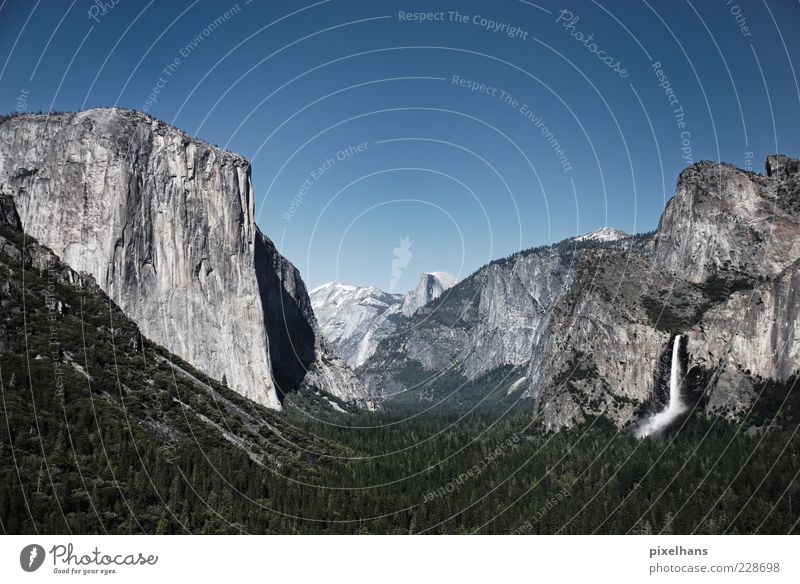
<point x="431" y="285"/>
<point x="603" y="234"/>
<point x="440" y="275"/>
<point x="356" y="318"/>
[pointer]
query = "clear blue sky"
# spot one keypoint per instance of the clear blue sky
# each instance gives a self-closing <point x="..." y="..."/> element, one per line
<point x="467" y="175"/>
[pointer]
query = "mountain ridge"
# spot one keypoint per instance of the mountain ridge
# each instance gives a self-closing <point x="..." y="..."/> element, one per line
<point x="356" y="318"/>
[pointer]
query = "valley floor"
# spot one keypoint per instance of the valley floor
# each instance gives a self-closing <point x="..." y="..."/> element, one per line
<point x="399" y="472"/>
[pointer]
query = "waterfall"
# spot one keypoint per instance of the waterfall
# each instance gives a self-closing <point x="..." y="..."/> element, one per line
<point x="675" y="377"/>
<point x="675" y="407"/>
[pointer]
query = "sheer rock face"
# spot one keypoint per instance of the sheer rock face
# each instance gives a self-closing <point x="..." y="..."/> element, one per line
<point x="721" y="268"/>
<point x="753" y="334"/>
<point x="515" y="306"/>
<point x="355" y="319"/>
<point x="602" y="349"/>
<point x="8" y="213"/>
<point x="726" y="219"/>
<point x="300" y="353"/>
<point x="431" y="285"/>
<point x="165" y="225"/>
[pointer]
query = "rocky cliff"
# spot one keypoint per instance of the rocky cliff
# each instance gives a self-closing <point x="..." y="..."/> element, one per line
<point x="721" y="267"/>
<point x="726" y="219"/>
<point x="592" y="319"/>
<point x="607" y="338"/>
<point x="355" y="319"/>
<point x="751" y="337"/>
<point x="299" y="351"/>
<point x="165" y="224"/>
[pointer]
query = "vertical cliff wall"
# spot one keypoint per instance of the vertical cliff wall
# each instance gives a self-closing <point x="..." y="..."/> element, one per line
<point x="299" y="352"/>
<point x="724" y="219"/>
<point x="165" y="224"/>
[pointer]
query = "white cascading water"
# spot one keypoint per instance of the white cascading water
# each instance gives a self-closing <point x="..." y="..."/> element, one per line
<point x="675" y="407"/>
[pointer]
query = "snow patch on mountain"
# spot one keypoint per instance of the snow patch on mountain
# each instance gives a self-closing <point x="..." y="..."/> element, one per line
<point x="603" y="234"/>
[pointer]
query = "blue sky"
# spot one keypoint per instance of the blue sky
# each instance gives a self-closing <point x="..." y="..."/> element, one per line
<point x="361" y="131"/>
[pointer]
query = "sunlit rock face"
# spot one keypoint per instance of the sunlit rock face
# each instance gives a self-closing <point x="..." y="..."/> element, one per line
<point x="754" y="335"/>
<point x="355" y="319"/>
<point x="497" y="316"/>
<point x="164" y="222"/>
<point x="723" y="218"/>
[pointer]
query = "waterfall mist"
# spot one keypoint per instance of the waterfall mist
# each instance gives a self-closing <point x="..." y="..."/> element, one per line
<point x="675" y="407"/>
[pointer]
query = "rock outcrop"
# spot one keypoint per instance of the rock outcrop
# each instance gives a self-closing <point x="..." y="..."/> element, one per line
<point x="165" y="224"/>
<point x="753" y="336"/>
<point x="724" y="219"/>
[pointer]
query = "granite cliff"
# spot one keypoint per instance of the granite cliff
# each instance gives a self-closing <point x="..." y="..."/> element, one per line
<point x="721" y="267"/>
<point x="165" y="224"/>
<point x="497" y="316"/>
